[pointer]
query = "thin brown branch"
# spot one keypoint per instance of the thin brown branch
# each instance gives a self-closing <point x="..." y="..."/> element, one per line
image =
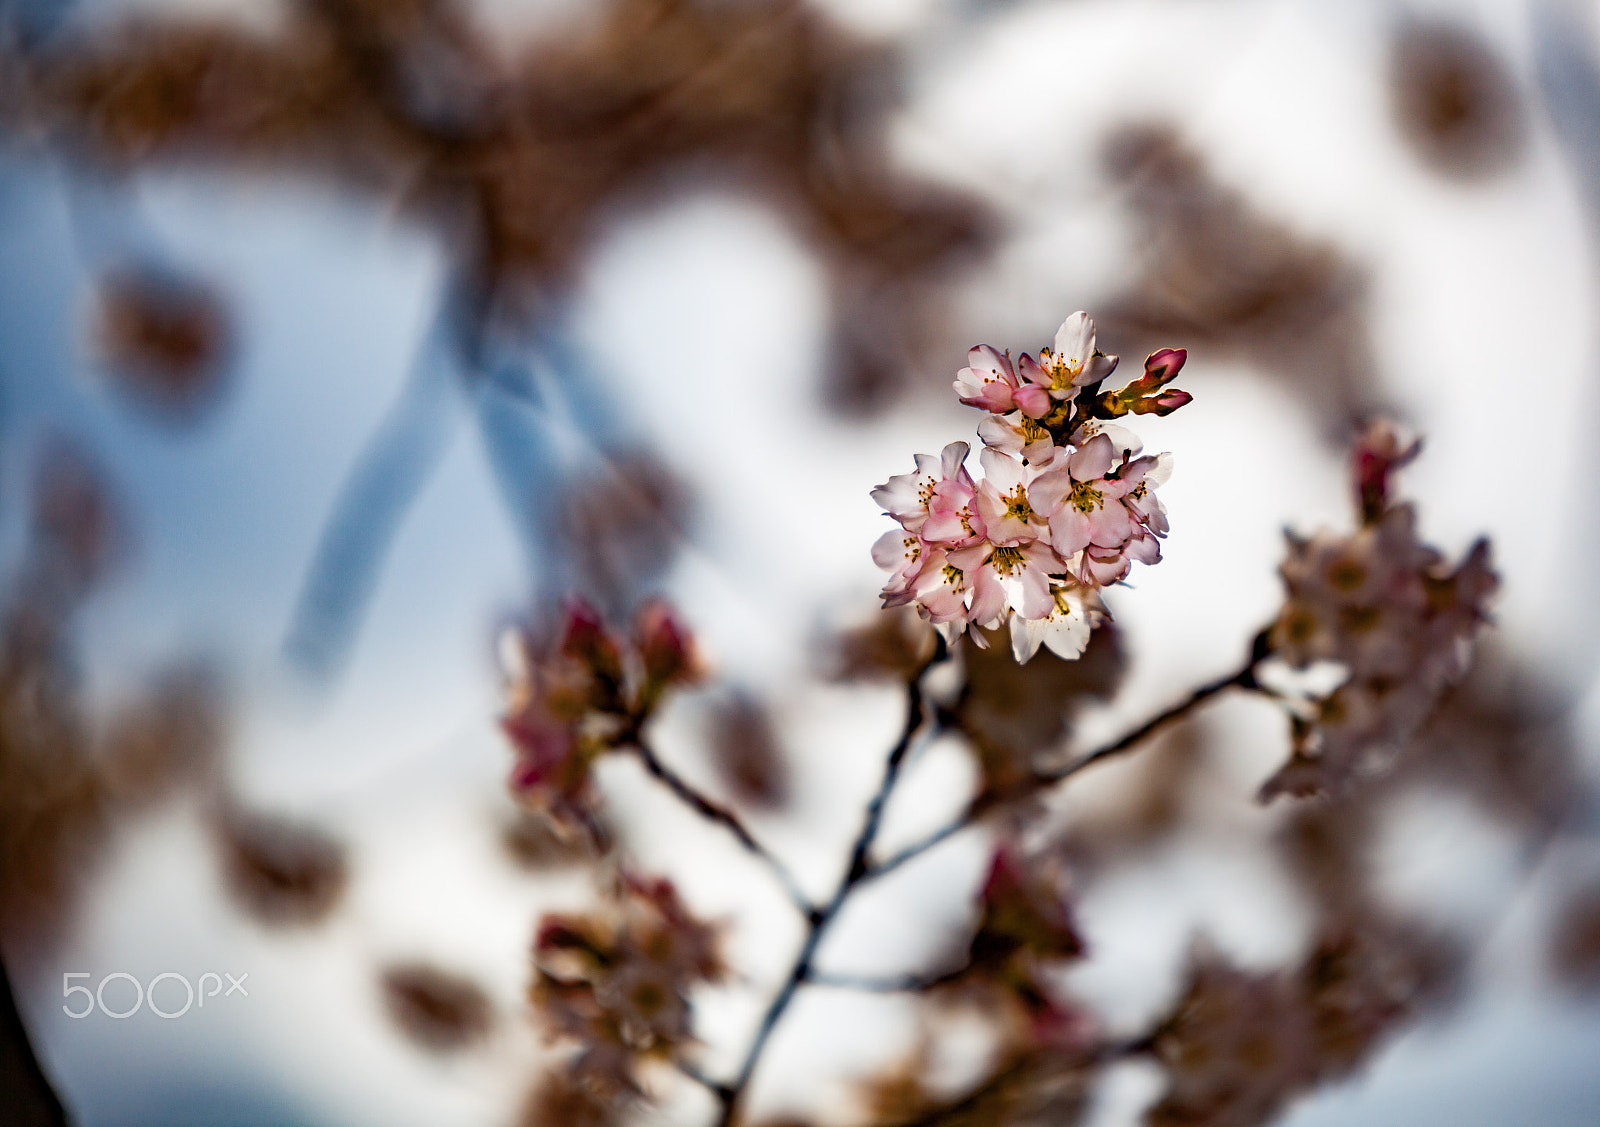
<point x="715" y="812"/>
<point x="886" y="984"/>
<point x="855" y="873"/>
<point x="982" y="804"/>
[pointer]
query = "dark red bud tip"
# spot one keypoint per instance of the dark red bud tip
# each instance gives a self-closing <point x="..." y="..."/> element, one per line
<point x="1377" y="454"/>
<point x="1005" y="875"/>
<point x="556" y="933"/>
<point x="584" y="638"/>
<point x="665" y="646"/>
<point x="1164" y="365"/>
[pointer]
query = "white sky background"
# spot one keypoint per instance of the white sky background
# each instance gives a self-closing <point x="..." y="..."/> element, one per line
<point x="708" y="314"/>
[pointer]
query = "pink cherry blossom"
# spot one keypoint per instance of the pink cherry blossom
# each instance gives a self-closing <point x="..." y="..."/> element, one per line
<point x="1074" y="612"/>
<point x="1142" y="476"/>
<point x="1002" y="500"/>
<point x="902" y="553"/>
<point x="943" y="590"/>
<point x="1073" y="363"/>
<point x="990" y="382"/>
<point x="936" y="500"/>
<point x="1009" y="578"/>
<point x="1083" y="503"/>
<point x="1018" y="435"/>
<point x="1065" y="504"/>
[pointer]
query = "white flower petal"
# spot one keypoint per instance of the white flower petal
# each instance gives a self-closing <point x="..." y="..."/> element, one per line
<point x="1025" y="638"/>
<point x="1075" y="339"/>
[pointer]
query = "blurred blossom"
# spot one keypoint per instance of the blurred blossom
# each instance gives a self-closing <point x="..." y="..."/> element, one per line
<point x="1574" y="953"/>
<point x="746" y="752"/>
<point x="439" y="1011"/>
<point x="1456" y="101"/>
<point x="618" y="981"/>
<point x="584" y="696"/>
<point x="1240" y="1044"/>
<point x="282" y="872"/>
<point x="165" y="342"/>
<point x="537" y="843"/>
<point x="1386" y="608"/>
<point x="1236" y="1047"/>
<point x="560" y="1097"/>
<point x="1233" y="283"/>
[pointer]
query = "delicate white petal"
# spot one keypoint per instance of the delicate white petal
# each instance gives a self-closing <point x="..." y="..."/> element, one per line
<point x="901" y="498"/>
<point x="1070" y="530"/>
<point x="1067" y="635"/>
<point x="952" y="458"/>
<point x="1000" y="470"/>
<point x="1048" y="490"/>
<point x="1098" y="367"/>
<point x="1025" y="638"/>
<point x="1125" y="442"/>
<point x="998" y="433"/>
<point x="1075" y="339"/>
<point x="988" y="597"/>
<point x="1034" y="599"/>
<point x="1145" y="549"/>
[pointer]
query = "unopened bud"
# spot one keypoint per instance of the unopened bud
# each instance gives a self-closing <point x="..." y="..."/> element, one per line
<point x="1377" y="454"/>
<point x="665" y="646"/>
<point x="584" y="639"/>
<point x="1162" y="367"/>
<point x="1165" y="403"/>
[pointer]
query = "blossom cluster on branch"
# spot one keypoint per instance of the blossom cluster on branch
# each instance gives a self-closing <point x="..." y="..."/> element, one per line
<point x="1385" y="607"/>
<point x="586" y="695"/>
<point x="617" y="981"/>
<point x="1066" y="506"/>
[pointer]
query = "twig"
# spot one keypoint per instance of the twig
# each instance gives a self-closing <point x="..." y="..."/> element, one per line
<point x="714" y="811"/>
<point x="857" y="871"/>
<point x="693" y="1073"/>
<point x="1244" y="678"/>
<point x="861" y="869"/>
<point x="886" y="984"/>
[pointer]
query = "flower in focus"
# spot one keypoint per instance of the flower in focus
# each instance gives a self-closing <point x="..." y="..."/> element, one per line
<point x="989" y="382"/>
<point x="1065" y="506"/>
<point x="1065" y="628"/>
<point x="936" y="500"/>
<point x="1073" y="363"/>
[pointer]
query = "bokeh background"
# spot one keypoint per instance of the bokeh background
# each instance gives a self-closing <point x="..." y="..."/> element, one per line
<point x="338" y="335"/>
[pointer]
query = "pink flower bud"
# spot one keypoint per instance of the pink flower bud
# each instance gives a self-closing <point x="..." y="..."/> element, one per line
<point x="665" y="646"/>
<point x="1377" y="454"/>
<point x="1165" y="403"/>
<point x="584" y="639"/>
<point x="1163" y="366"/>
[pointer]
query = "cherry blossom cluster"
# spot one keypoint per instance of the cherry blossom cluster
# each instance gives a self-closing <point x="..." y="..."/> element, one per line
<point x="586" y="695"/>
<point x="1066" y="505"/>
<point x="1389" y="610"/>
<point x="617" y="981"/>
